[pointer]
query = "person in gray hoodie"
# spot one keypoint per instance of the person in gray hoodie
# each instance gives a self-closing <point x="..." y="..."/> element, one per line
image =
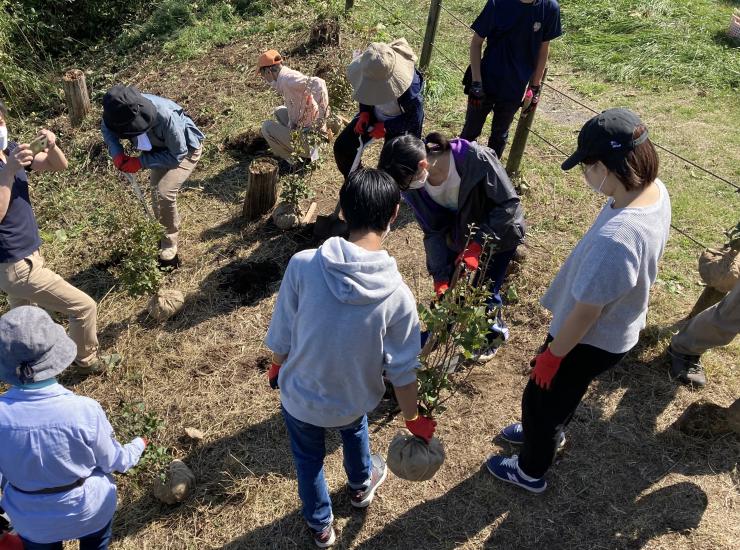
<point x="344" y="318"/>
<point x="170" y="146"/>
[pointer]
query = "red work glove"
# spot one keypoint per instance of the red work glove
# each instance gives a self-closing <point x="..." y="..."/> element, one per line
<point x="10" y="541"/>
<point x="531" y="98"/>
<point x="146" y="442"/>
<point x="362" y="123"/>
<point x="440" y="287"/>
<point x="272" y="375"/>
<point x="378" y="131"/>
<point x="127" y="164"/>
<point x="470" y="256"/>
<point x="422" y="427"/>
<point x="546" y="365"/>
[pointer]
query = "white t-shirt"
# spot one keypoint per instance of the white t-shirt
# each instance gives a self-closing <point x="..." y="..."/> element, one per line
<point x="386" y="111"/>
<point x="448" y="192"/>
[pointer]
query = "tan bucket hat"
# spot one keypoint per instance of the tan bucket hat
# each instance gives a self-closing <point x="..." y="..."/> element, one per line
<point x="382" y="73"/>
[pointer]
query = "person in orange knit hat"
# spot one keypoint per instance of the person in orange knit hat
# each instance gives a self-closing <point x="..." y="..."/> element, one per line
<point x="305" y="109"/>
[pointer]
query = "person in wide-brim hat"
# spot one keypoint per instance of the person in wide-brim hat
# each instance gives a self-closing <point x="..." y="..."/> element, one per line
<point x="58" y="449"/>
<point x="382" y="73"/>
<point x="127" y="112"/>
<point x="388" y="88"/>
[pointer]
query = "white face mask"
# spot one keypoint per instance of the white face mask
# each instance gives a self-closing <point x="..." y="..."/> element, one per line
<point x="419" y="182"/>
<point x="3" y="137"/>
<point x="597" y="189"/>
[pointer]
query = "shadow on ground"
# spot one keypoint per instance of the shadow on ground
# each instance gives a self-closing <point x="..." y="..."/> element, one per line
<point x="617" y="465"/>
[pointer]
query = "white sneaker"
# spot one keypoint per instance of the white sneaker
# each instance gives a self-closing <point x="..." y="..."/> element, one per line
<point x="168" y="254"/>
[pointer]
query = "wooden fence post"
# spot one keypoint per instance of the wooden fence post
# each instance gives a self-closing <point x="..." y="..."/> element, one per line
<point x="261" y="189"/>
<point x="430" y="35"/>
<point x="75" y="93"/>
<point x="519" y="144"/>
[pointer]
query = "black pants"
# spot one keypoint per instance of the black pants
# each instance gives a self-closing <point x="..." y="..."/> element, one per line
<point x="503" y="114"/>
<point x="346" y="144"/>
<point x="545" y="413"/>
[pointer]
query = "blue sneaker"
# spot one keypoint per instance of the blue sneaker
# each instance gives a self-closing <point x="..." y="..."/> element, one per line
<point x="514" y="434"/>
<point x="507" y="469"/>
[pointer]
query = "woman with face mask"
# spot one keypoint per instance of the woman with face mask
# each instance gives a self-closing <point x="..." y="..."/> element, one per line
<point x="451" y="184"/>
<point x="599" y="298"/>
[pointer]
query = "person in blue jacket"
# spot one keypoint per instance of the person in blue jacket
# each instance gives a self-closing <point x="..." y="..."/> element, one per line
<point x="170" y="146"/>
<point x="449" y="185"/>
<point x="57" y="450"/>
<point x="509" y="75"/>
<point x="389" y="89"/>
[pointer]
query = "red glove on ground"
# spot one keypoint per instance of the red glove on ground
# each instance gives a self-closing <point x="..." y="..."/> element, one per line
<point x="546" y="365"/>
<point x="362" y="123"/>
<point x="422" y="426"/>
<point x="440" y="287"/>
<point x="470" y="256"/>
<point x="272" y="375"/>
<point x="378" y="131"/>
<point x="127" y="164"/>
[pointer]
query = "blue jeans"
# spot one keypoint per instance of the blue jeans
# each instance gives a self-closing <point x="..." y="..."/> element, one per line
<point x="309" y="450"/>
<point x="95" y="541"/>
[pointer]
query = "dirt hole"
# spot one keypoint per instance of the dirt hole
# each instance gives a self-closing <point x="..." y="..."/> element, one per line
<point x="250" y="280"/>
<point x="250" y="142"/>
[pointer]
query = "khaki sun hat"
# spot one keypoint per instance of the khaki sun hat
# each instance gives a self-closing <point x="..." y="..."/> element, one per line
<point x="382" y="73"/>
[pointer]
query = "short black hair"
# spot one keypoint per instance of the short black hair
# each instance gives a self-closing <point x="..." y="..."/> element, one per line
<point x="368" y="199"/>
<point x="3" y="110"/>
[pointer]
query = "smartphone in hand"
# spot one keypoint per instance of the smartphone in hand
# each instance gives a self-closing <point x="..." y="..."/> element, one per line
<point x="39" y="144"/>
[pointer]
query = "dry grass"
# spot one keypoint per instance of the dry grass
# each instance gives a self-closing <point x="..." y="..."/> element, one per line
<point x="626" y="479"/>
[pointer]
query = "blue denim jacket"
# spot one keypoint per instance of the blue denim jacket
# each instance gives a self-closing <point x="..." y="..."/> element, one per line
<point x="173" y="136"/>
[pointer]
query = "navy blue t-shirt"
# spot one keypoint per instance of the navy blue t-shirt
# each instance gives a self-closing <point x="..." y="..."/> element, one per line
<point x="19" y="233"/>
<point x="514" y="32"/>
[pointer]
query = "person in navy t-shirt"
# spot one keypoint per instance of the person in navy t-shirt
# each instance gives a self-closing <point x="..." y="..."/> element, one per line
<point x="23" y="276"/>
<point x="517" y="35"/>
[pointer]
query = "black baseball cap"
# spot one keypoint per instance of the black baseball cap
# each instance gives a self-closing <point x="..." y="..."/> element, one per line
<point x="607" y="136"/>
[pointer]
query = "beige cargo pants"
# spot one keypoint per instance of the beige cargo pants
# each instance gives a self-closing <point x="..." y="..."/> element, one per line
<point x="166" y="184"/>
<point x="713" y="327"/>
<point x="28" y="282"/>
<point x="277" y="133"/>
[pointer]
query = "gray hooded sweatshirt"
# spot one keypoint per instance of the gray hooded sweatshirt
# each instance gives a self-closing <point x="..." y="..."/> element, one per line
<point x="343" y="316"/>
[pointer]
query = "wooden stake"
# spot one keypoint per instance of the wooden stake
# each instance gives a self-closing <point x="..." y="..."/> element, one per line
<point x="75" y="93"/>
<point x="309" y="214"/>
<point x="261" y="188"/>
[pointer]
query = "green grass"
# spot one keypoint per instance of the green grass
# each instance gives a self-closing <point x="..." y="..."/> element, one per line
<point x="652" y="43"/>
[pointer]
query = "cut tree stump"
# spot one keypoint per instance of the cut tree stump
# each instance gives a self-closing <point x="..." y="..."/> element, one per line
<point x="76" y="96"/>
<point x="262" y="188"/>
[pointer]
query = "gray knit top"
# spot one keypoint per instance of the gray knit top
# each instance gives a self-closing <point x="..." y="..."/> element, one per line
<point x="613" y="265"/>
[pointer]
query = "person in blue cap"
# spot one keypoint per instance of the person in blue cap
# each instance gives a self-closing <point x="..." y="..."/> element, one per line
<point x="58" y="449"/>
<point x="599" y="298"/>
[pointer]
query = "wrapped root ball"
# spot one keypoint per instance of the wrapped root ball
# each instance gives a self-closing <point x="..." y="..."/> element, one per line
<point x="720" y="268"/>
<point x="285" y="216"/>
<point x="165" y="303"/>
<point x="178" y="484"/>
<point x="412" y="459"/>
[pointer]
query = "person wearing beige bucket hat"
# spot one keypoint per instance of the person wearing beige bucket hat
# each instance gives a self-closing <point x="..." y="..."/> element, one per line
<point x="58" y="449"/>
<point x="305" y="109"/>
<point x="388" y="87"/>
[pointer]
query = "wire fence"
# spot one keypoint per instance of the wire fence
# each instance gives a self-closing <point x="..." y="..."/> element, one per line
<point x="437" y="49"/>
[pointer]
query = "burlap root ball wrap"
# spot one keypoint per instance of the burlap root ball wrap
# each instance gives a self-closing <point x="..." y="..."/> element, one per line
<point x="165" y="303"/>
<point x="720" y="269"/>
<point x="412" y="459"/>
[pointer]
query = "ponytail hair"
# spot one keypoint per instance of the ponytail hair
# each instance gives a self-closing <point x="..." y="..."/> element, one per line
<point x="436" y="144"/>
